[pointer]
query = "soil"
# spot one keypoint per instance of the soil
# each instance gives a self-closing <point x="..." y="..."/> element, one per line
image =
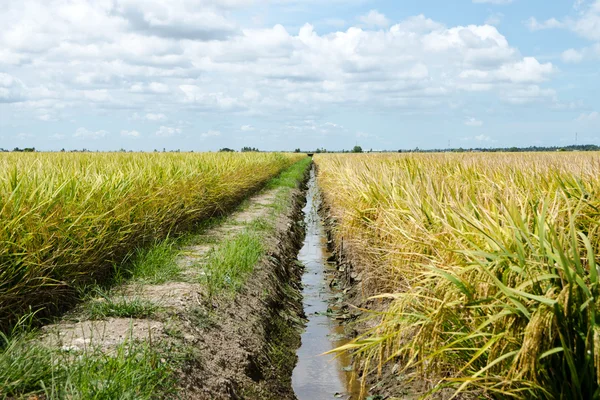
<point x="242" y="345"/>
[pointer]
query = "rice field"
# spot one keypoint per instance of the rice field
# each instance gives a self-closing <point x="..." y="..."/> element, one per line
<point x="69" y="219"/>
<point x="482" y="268"/>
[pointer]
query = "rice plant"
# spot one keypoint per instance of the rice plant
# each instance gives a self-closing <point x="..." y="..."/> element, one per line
<point x="68" y="219"/>
<point x="486" y="266"/>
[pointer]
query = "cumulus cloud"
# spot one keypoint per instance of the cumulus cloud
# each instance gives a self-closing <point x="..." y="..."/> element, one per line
<point x="529" y="94"/>
<point x="482" y="138"/>
<point x="191" y="56"/>
<point x="494" y="19"/>
<point x="152" y="87"/>
<point x="11" y="89"/>
<point x="177" y="19"/>
<point x="167" y="131"/>
<point x="210" y="133"/>
<point x="247" y="128"/>
<point x="132" y="133"/>
<point x="501" y="2"/>
<point x="83" y="133"/>
<point x="586" y="24"/>
<point x="155" y="117"/>
<point x="478" y="138"/>
<point x="572" y="56"/>
<point x="552" y="23"/>
<point x="587" y="117"/>
<point x="152" y="117"/>
<point x="472" y="121"/>
<point x="374" y="19"/>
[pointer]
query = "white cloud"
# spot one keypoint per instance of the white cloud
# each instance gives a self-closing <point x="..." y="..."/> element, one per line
<point x="155" y="117"/>
<point x="132" y="133"/>
<point x="152" y="87"/>
<point x="478" y="138"/>
<point x="177" y="56"/>
<point x="472" y="121"/>
<point x="11" y="89"/>
<point x="211" y="133"/>
<point x="152" y="117"/>
<point x="572" y="56"/>
<point x="529" y="94"/>
<point x="534" y="25"/>
<point x="586" y="25"/>
<point x="501" y="2"/>
<point x="167" y="131"/>
<point x="494" y="19"/>
<point x="46" y="117"/>
<point x="84" y="133"/>
<point x="24" y="136"/>
<point x="592" y="116"/>
<point x="374" y="19"/>
<point x="247" y="128"/>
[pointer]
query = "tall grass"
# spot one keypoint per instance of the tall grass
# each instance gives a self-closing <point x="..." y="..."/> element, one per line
<point x="68" y="219"/>
<point x="488" y="262"/>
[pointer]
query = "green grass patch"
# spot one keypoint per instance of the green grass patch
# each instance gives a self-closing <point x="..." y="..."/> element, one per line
<point x="291" y="176"/>
<point x="229" y="264"/>
<point x="156" y="264"/>
<point x="119" y="307"/>
<point x="133" y="371"/>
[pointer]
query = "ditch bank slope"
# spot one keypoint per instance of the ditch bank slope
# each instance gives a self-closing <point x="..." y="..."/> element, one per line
<point x="248" y="350"/>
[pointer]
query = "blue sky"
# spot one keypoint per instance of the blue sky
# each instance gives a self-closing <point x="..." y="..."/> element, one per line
<point x="280" y="74"/>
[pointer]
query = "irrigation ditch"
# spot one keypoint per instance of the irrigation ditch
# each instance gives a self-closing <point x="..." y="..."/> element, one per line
<point x="243" y="309"/>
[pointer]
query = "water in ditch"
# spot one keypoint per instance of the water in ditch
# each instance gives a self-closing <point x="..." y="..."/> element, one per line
<point x="318" y="376"/>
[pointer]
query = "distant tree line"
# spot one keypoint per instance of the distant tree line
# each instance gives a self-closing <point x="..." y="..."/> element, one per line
<point x="581" y="147"/>
<point x="244" y="149"/>
<point x="359" y="149"/>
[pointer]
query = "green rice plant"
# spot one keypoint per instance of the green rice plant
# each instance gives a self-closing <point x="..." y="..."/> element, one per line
<point x="66" y="220"/>
<point x="486" y="264"/>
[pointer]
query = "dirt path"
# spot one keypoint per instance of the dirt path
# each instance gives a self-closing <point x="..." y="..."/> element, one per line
<point x="236" y="346"/>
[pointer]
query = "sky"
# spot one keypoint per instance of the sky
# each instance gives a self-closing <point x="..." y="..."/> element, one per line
<point x="284" y="74"/>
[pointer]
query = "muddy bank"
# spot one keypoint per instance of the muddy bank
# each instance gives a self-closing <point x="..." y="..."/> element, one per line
<point x="247" y="349"/>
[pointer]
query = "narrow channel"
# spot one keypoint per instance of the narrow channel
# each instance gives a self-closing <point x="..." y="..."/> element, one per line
<point x="318" y="376"/>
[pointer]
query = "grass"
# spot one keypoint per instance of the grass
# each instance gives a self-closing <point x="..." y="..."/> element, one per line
<point x="68" y="219"/>
<point x="132" y="371"/>
<point x="487" y="265"/>
<point x="290" y="177"/>
<point x="156" y="264"/>
<point x="108" y="305"/>
<point x="228" y="265"/>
